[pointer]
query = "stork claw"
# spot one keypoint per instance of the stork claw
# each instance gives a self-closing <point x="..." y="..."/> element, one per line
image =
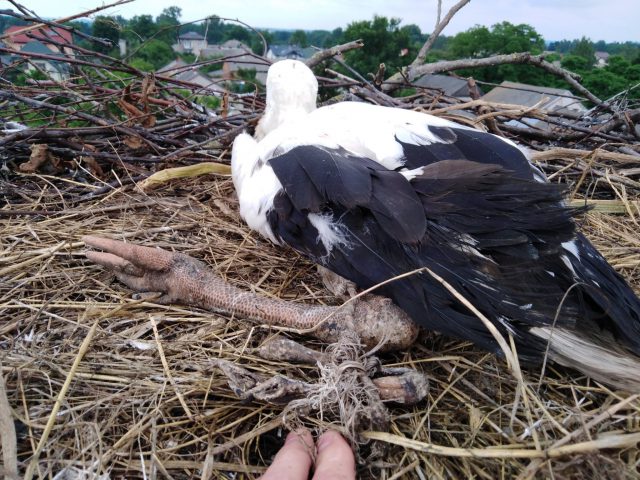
<point x="146" y="269"/>
<point x="142" y="257"/>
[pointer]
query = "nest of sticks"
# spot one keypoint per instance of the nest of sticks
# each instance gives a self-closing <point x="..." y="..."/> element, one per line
<point x="98" y="385"/>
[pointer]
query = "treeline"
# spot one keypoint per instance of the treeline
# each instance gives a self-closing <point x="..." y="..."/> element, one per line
<point x="395" y="45"/>
<point x="625" y="49"/>
<point x="386" y="41"/>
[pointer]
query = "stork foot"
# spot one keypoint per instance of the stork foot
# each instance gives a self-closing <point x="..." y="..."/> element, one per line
<point x="404" y="386"/>
<point x="282" y="349"/>
<point x="178" y="278"/>
<point x="345" y="373"/>
<point x="345" y="389"/>
<point x="337" y="285"/>
<point x="251" y="386"/>
<point x="149" y="270"/>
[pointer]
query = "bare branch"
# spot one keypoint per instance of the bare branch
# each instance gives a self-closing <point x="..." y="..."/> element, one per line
<point x="265" y="47"/>
<point x="8" y="434"/>
<point x="86" y="13"/>
<point x="322" y="55"/>
<point x="378" y="78"/>
<point x="416" y="71"/>
<point x="422" y="54"/>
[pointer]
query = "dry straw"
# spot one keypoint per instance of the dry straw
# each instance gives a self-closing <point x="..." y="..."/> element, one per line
<point x="97" y="385"/>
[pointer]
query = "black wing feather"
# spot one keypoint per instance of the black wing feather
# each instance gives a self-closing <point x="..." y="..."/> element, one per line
<point x="492" y="233"/>
<point x="461" y="144"/>
<point x="313" y="177"/>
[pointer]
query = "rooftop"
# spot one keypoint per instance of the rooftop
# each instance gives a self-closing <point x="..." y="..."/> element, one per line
<point x="190" y="36"/>
<point x="525" y="94"/>
<point x="15" y="34"/>
<point x="449" y="85"/>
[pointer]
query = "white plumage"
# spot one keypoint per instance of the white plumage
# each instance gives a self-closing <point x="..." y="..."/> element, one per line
<point x="373" y="192"/>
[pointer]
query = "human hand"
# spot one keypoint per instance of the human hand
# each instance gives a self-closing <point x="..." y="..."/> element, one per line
<point x="334" y="459"/>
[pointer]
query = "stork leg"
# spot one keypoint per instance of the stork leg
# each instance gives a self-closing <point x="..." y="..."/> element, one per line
<point x="400" y="385"/>
<point x="178" y="278"/>
<point x="339" y="286"/>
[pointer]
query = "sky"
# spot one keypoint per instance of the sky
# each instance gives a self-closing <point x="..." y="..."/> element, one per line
<point x="609" y="20"/>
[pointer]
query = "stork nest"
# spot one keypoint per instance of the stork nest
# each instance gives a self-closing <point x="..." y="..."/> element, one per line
<point x="136" y="392"/>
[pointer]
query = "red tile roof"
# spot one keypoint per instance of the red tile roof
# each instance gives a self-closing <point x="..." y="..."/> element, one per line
<point x="57" y="34"/>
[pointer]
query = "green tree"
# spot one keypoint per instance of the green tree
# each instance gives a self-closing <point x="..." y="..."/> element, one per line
<point x="237" y="32"/>
<point x="246" y="81"/>
<point x="474" y="42"/>
<point x="633" y="73"/>
<point x="318" y="37"/>
<point x="168" y="23"/>
<point x="629" y="50"/>
<point x="140" y="28"/>
<point x="584" y="48"/>
<point x="509" y="38"/>
<point x="299" y="37"/>
<point x="107" y="28"/>
<point x="502" y="38"/>
<point x="257" y="46"/>
<point x="604" y="83"/>
<point x="383" y="42"/>
<point x="281" y="37"/>
<point x="600" y="46"/>
<point x="214" y="29"/>
<point x="141" y="64"/>
<point x="80" y="26"/>
<point x="336" y="37"/>
<point x="416" y="37"/>
<point x="563" y="46"/>
<point x="575" y="63"/>
<point x="170" y="16"/>
<point x="6" y="21"/>
<point x="156" y="53"/>
<point x="618" y="65"/>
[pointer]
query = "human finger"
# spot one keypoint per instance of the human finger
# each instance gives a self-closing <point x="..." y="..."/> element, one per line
<point x="335" y="460"/>
<point x="294" y="459"/>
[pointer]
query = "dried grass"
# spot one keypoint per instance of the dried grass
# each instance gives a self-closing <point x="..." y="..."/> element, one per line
<point x="102" y="386"/>
<point x="138" y="403"/>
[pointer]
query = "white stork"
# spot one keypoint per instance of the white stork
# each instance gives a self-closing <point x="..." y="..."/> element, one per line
<point x="372" y="192"/>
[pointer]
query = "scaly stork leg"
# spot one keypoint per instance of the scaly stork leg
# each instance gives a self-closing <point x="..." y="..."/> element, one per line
<point x="179" y="278"/>
<point x="337" y="285"/>
<point x="182" y="279"/>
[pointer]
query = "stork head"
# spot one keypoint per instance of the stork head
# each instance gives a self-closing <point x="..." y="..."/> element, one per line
<point x="291" y="84"/>
<point x="291" y="92"/>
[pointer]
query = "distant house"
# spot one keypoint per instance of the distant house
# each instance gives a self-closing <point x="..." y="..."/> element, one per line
<point x="233" y="54"/>
<point x="226" y="49"/>
<point x="48" y="41"/>
<point x="16" y="37"/>
<point x="546" y="98"/>
<point x="181" y="70"/>
<point x="602" y="59"/>
<point x="529" y="95"/>
<point x="172" y="67"/>
<point x="190" y="42"/>
<point x="56" y="70"/>
<point x="236" y="56"/>
<point x="294" y="52"/>
<point x="447" y="84"/>
<point x="232" y="66"/>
